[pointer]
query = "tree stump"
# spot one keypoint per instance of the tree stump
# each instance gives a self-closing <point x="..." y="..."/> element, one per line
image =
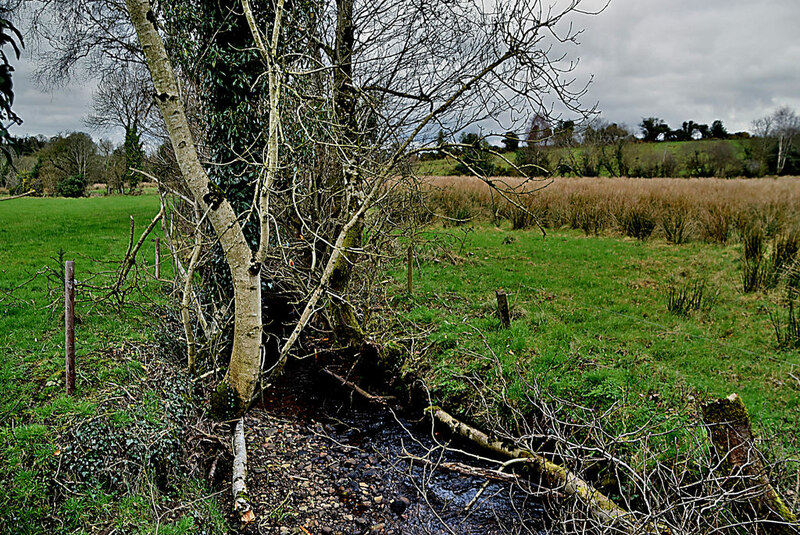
<point x="729" y="425"/>
<point x="502" y="309"/>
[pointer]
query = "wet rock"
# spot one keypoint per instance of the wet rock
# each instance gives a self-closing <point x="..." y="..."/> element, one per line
<point x="399" y="505"/>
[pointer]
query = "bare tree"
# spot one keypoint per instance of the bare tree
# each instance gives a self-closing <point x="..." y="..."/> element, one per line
<point x="124" y="100"/>
<point x="454" y="58"/>
<point x="782" y="126"/>
<point x="786" y="125"/>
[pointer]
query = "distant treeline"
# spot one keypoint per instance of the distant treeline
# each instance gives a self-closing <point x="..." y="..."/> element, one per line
<point x="66" y="165"/>
<point x="610" y="149"/>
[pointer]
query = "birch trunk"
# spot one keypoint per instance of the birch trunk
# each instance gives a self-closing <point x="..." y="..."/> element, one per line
<point x="234" y="394"/>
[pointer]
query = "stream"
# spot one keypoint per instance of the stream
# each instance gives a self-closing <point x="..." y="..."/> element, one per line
<point x="323" y="460"/>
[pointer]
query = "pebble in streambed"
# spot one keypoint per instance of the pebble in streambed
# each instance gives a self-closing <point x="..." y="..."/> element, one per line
<point x="320" y="466"/>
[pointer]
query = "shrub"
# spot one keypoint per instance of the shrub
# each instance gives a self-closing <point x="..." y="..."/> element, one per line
<point x="723" y="160"/>
<point x="787" y="326"/>
<point x="716" y="223"/>
<point x="673" y="218"/>
<point x="533" y="161"/>
<point x="72" y="186"/>
<point x="784" y="252"/>
<point x="752" y="267"/>
<point x="520" y="219"/>
<point x="697" y="164"/>
<point x="637" y="221"/>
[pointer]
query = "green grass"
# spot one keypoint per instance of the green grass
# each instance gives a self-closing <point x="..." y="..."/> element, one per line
<point x="38" y="422"/>
<point x="92" y="232"/>
<point x="592" y="324"/>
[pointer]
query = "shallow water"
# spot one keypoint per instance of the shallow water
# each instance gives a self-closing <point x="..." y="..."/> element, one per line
<point x="368" y="455"/>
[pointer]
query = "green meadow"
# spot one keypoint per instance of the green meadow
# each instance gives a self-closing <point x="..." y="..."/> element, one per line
<point x="591" y="323"/>
<point x="52" y="479"/>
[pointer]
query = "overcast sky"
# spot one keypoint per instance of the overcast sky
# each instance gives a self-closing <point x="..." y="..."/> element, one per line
<point x="700" y="60"/>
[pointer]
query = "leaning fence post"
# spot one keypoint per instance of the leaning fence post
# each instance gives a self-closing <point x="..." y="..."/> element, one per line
<point x="158" y="258"/>
<point x="502" y="309"/>
<point x="69" y="324"/>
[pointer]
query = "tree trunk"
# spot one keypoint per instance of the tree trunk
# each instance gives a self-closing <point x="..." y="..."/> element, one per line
<point x="234" y="394"/>
<point x="729" y="426"/>
<point x="345" y="325"/>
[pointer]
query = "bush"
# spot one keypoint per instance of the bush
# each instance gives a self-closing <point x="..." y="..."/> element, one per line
<point x="673" y="218"/>
<point x="783" y="257"/>
<point x="716" y="223"/>
<point x="697" y="164"/>
<point x="72" y="186"/>
<point x="520" y="219"/>
<point x="533" y="161"/>
<point x="752" y="267"/>
<point x="787" y="326"/>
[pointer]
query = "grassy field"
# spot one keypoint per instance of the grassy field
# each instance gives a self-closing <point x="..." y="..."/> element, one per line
<point x="53" y="447"/>
<point x="592" y="325"/>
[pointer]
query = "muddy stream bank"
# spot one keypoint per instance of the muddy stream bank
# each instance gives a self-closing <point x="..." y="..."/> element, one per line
<point x="322" y="460"/>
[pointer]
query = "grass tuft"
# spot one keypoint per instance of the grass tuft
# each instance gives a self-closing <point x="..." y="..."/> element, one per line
<point x="685" y="297"/>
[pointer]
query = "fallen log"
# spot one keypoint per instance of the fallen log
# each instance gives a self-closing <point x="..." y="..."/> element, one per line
<point x="731" y="432"/>
<point x="556" y="477"/>
<point x="241" y="499"/>
<point x="31" y="192"/>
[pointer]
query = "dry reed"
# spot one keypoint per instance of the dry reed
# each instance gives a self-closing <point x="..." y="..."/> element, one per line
<point x="708" y="209"/>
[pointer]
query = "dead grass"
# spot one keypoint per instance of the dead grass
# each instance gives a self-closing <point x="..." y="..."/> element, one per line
<point x="708" y="209"/>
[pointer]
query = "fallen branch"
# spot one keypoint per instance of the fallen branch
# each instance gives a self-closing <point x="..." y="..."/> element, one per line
<point x="31" y="192"/>
<point x="382" y="400"/>
<point x="729" y="425"/>
<point x="130" y="255"/>
<point x="556" y="477"/>
<point x="241" y="499"/>
<point x="475" y="471"/>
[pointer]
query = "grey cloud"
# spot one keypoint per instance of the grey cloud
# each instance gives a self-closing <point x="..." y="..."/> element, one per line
<point x="680" y="60"/>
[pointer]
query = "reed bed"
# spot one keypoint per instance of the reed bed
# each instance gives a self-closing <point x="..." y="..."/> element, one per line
<point x="709" y="209"/>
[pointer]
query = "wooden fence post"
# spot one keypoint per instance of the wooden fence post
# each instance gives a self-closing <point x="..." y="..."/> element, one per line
<point x="502" y="309"/>
<point x="69" y="324"/>
<point x="158" y="258"/>
<point x="410" y="268"/>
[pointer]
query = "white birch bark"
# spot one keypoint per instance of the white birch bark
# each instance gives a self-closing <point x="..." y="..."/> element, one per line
<point x="245" y="357"/>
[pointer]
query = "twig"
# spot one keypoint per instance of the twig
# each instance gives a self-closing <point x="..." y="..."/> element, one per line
<point x="382" y="400"/>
